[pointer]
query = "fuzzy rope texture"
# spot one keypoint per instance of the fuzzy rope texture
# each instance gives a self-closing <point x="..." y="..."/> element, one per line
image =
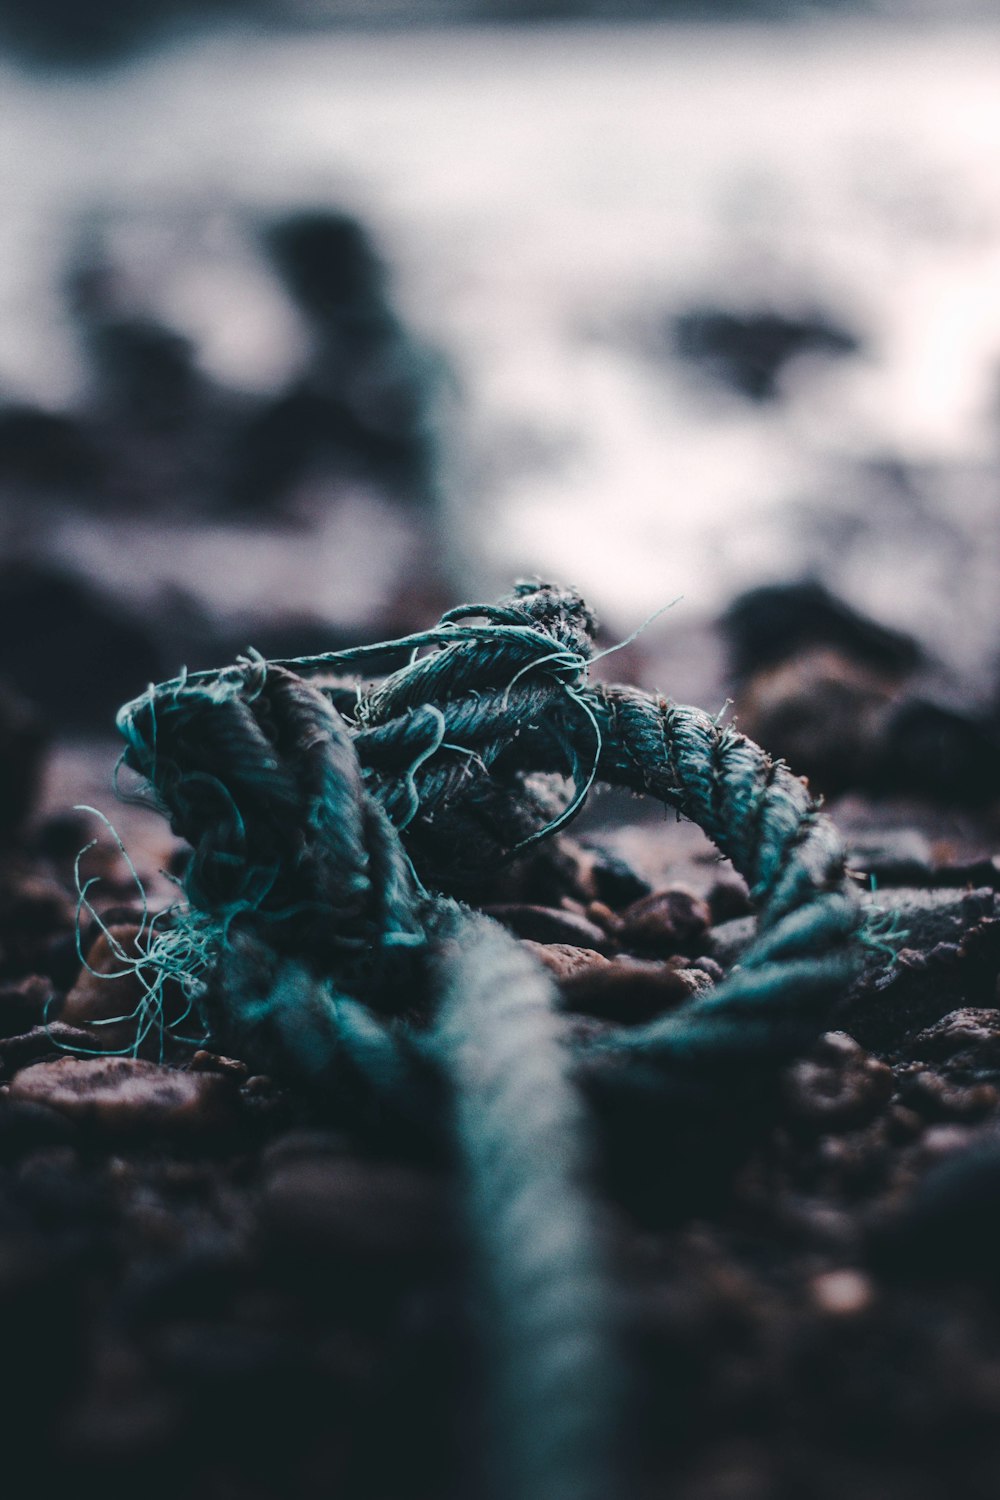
<point x="333" y="815"/>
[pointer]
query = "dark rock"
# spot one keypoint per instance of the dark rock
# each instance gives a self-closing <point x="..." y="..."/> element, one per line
<point x="749" y="351"/>
<point x="146" y="374"/>
<point x="940" y="1098"/>
<point x="666" y="922"/>
<point x="769" y="624"/>
<point x="22" y="744"/>
<point x="129" y="1096"/>
<point x="25" y="1127"/>
<point x="563" y="960"/>
<point x="324" y="1204"/>
<point x="839" y="1088"/>
<point x="68" y="649"/>
<point x="821" y="712"/>
<point x="934" y="751"/>
<point x="24" y="1004"/>
<point x="548" y="924"/>
<point x="46" y="451"/>
<point x="950" y="1225"/>
<point x="630" y="990"/>
<point x="328" y="263"/>
<point x="968" y="1031"/>
<point x="729" y="899"/>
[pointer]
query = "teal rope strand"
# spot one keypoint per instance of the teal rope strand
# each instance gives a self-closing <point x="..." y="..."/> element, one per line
<point x="521" y="1137"/>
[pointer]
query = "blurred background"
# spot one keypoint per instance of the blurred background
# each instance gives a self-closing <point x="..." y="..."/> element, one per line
<point x="317" y="317"/>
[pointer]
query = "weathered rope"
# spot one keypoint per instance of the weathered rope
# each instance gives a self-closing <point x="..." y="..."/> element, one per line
<point x="322" y="809"/>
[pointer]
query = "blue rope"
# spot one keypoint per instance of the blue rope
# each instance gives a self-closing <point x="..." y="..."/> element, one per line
<point x="331" y="816"/>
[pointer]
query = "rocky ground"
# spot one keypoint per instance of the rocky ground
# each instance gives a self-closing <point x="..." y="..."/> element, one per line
<point x="209" y="1286"/>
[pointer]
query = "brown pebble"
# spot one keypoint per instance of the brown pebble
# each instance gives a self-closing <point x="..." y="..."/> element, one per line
<point x="970" y="1029"/>
<point x="129" y="1096"/>
<point x="842" y="1294"/>
<point x="632" y="989"/>
<point x="939" y="1098"/>
<point x="822" y="712"/>
<point x="211" y="1062"/>
<point x="548" y="924"/>
<point x="664" y="923"/>
<point x="903" y="1124"/>
<point x="563" y="959"/>
<point x="107" y="989"/>
<point x="840" y="1087"/>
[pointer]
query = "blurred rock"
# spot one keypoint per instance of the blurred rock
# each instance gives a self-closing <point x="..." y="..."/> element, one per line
<point x="749" y="352"/>
<point x="950" y="1226"/>
<point x="111" y="997"/>
<point x="47" y="451"/>
<point x="548" y="924"/>
<point x="363" y="405"/>
<point x="839" y="1087"/>
<point x="663" y="923"/>
<point x="22" y="743"/>
<point x="24" y="1004"/>
<point x="130" y="1097"/>
<point x="631" y="990"/>
<point x="822" y="713"/>
<point x="69" y="649"/>
<point x="329" y="1204"/>
<point x="769" y="624"/>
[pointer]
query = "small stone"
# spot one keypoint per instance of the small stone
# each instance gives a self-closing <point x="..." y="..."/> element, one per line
<point x="17" y="1052"/>
<point x="548" y="924"/>
<point x="949" y="1226"/>
<point x="728" y="899"/>
<point x="24" y="1003"/>
<point x="664" y="923"/>
<point x="25" y="1127"/>
<point x="329" y="1203"/>
<point x="631" y="990"/>
<point x="22" y="745"/>
<point x="563" y="959"/>
<point x="842" y="1294"/>
<point x="940" y="1141"/>
<point x="939" y="1098"/>
<point x="211" y="1062"/>
<point x="970" y="1029"/>
<point x="822" y="712"/>
<point x="129" y="1096"/>
<point x="903" y="1124"/>
<point x="840" y="1087"/>
<point x="108" y="990"/>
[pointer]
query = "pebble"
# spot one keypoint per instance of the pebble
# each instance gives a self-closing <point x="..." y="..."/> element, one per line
<point x="937" y="1097"/>
<point x="129" y="1096"/>
<point x="631" y="990"/>
<point x="970" y="1029"/>
<point x="564" y="959"/>
<point x="664" y="923"/>
<point x="840" y="1087"/>
<point x="108" y="992"/>
<point x="842" y="1294"/>
<point x="548" y="924"/>
<point x="327" y="1202"/>
<point x="23" y="1004"/>
<point x="950" y="1224"/>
